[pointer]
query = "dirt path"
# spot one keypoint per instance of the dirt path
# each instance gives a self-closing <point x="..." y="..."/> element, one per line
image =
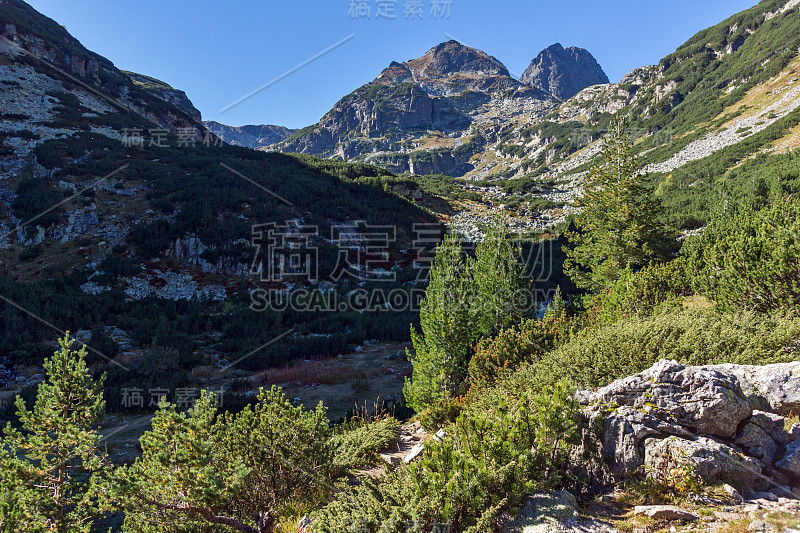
<point x="121" y="434"/>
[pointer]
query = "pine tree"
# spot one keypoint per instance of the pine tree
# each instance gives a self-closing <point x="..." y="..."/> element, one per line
<point x="183" y="475"/>
<point x="502" y="292"/>
<point x="201" y="469"/>
<point x="466" y="300"/>
<point x="618" y="221"/>
<point x="448" y="324"/>
<point x="53" y="474"/>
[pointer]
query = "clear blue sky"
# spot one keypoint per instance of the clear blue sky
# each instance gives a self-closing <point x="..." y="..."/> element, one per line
<point x="220" y="51"/>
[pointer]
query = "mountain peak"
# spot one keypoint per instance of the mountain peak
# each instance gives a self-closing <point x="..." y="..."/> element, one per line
<point x="563" y="72"/>
<point x="452" y="57"/>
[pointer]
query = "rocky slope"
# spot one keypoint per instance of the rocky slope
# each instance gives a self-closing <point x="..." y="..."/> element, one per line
<point x="564" y="72"/>
<point x="165" y="92"/>
<point x="89" y="145"/>
<point x="53" y="86"/>
<point x="249" y="136"/>
<point x="30" y="40"/>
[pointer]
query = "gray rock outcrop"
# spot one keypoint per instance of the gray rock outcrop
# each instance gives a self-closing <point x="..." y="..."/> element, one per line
<point x="721" y="423"/>
<point x="563" y="72"/>
<point x="552" y="512"/>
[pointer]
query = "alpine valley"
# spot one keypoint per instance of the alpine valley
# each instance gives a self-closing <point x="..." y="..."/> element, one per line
<point x="287" y="268"/>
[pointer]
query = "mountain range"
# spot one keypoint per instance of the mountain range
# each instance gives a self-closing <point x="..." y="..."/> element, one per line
<point x="434" y="113"/>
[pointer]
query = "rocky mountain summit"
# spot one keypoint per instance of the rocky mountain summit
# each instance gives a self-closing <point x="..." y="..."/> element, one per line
<point x="451" y="68"/>
<point x="249" y="136"/>
<point x="430" y="114"/>
<point x="448" y="111"/>
<point x="564" y="72"/>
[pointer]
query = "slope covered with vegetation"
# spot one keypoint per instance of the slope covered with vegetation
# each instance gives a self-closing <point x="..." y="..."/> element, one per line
<point x="499" y="383"/>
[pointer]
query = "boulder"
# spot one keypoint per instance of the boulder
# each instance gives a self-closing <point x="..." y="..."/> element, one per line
<point x="665" y="512"/>
<point x="552" y="512"/>
<point x="695" y="398"/>
<point x="706" y="458"/>
<point x="791" y="459"/>
<point x="724" y="421"/>
<point x="772" y="388"/>
<point x="667" y="399"/>
<point x="733" y="492"/>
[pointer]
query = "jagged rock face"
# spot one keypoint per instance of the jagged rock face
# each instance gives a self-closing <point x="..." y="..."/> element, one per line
<point x="451" y="68"/>
<point x="724" y="422"/>
<point x="377" y="110"/>
<point x="381" y="110"/>
<point x="163" y="91"/>
<point x="445" y="91"/>
<point x="249" y="136"/>
<point x="564" y="72"/>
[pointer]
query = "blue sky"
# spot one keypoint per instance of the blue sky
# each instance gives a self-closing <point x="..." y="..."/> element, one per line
<point x="219" y="52"/>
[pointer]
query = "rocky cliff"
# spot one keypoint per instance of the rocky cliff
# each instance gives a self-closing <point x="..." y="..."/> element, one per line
<point x="165" y="92"/>
<point x="563" y="72"/>
<point x="249" y="136"/>
<point x="33" y="41"/>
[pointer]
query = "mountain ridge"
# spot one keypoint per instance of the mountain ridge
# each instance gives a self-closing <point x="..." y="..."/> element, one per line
<point x="249" y="135"/>
<point x="446" y="90"/>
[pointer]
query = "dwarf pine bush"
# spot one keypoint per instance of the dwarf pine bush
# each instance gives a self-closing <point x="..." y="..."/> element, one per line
<point x="509" y="443"/>
<point x="697" y="336"/>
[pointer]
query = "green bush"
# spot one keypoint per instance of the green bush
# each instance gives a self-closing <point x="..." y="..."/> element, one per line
<point x="750" y="259"/>
<point x="696" y="336"/>
<point x="510" y="443"/>
<point x="642" y="292"/>
<point x="357" y="442"/>
<point x="31" y="195"/>
<point x="252" y="468"/>
<point x="528" y="342"/>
